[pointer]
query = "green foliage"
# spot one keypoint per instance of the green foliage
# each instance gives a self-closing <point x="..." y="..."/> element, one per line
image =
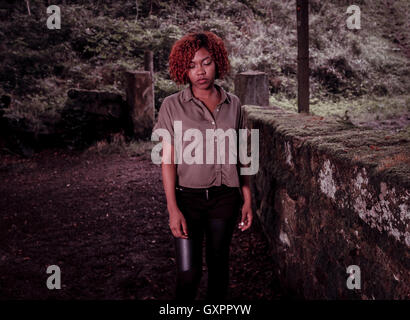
<point x="99" y="40"/>
<point x="163" y="88"/>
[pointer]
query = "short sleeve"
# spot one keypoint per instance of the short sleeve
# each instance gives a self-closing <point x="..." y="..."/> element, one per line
<point x="243" y="145"/>
<point x="164" y="121"/>
<point x="243" y="121"/>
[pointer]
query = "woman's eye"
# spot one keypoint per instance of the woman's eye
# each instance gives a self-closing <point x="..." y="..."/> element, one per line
<point x="207" y="63"/>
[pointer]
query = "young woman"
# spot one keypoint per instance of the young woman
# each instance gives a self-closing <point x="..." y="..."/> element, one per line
<point x="204" y="198"/>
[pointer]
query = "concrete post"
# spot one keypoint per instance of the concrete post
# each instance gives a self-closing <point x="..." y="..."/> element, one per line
<point x="140" y="100"/>
<point x="252" y="88"/>
<point x="302" y="16"/>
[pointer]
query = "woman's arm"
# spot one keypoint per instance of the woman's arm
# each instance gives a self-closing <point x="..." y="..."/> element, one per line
<point x="177" y="221"/>
<point x="246" y="189"/>
<point x="247" y="215"/>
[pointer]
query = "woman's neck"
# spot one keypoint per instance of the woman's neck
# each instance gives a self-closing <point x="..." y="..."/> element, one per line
<point x="210" y="93"/>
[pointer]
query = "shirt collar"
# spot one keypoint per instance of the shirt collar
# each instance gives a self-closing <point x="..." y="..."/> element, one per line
<point x="187" y="94"/>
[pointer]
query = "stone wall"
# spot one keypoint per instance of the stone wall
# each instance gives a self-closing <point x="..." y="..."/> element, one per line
<point x="328" y="196"/>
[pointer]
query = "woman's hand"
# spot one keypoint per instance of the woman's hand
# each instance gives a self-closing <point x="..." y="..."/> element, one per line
<point x="177" y="223"/>
<point x="247" y="216"/>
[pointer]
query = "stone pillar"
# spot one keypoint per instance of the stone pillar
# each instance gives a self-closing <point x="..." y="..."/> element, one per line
<point x="140" y="100"/>
<point x="252" y="88"/>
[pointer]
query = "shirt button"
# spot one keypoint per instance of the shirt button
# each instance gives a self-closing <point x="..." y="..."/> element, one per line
<point x="213" y="122"/>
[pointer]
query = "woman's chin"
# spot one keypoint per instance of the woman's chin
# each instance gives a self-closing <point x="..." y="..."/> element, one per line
<point x="204" y="85"/>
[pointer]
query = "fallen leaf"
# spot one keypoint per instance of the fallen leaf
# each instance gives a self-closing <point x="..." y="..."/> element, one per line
<point x="374" y="148"/>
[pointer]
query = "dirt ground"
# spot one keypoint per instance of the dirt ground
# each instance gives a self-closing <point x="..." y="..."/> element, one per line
<point x="102" y="219"/>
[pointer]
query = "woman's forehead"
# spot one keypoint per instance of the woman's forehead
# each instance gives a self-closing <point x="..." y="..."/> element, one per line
<point x="200" y="55"/>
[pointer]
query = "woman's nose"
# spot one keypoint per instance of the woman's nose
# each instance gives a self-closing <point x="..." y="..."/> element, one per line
<point x="200" y="70"/>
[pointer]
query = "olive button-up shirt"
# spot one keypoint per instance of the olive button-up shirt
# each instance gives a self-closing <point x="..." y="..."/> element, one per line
<point x="192" y="113"/>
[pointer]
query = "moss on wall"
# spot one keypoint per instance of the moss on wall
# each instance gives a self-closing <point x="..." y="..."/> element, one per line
<point x="330" y="195"/>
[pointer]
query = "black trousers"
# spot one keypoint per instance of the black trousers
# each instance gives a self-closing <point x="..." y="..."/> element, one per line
<point x="211" y="212"/>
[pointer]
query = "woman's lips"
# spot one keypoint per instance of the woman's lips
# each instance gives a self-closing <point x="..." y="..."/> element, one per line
<point x="201" y="81"/>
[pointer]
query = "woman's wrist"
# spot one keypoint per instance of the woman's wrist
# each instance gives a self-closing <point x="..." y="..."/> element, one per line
<point x="247" y="202"/>
<point x="172" y="207"/>
<point x="247" y="196"/>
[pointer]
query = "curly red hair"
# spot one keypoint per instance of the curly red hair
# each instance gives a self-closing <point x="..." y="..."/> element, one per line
<point x="183" y="51"/>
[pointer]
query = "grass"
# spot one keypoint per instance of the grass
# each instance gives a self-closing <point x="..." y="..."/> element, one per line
<point x="360" y="109"/>
<point x="116" y="144"/>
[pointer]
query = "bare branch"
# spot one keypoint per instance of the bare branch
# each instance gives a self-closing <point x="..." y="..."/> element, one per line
<point x="28" y="7"/>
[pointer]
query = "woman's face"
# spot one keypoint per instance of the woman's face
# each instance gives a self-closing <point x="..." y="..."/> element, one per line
<point x="202" y="69"/>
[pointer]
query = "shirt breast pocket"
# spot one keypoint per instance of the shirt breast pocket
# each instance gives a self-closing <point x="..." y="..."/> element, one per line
<point x="227" y="125"/>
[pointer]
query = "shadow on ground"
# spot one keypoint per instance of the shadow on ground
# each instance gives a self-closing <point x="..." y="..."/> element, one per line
<point x="102" y="219"/>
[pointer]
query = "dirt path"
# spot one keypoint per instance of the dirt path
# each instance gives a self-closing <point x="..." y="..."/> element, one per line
<point x="103" y="221"/>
